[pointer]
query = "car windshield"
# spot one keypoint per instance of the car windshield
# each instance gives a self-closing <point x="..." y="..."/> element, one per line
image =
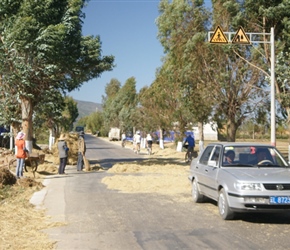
<point x="254" y="156"/>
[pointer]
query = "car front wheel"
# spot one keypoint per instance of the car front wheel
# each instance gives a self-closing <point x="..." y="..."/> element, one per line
<point x="225" y="212"/>
<point x="196" y="196"/>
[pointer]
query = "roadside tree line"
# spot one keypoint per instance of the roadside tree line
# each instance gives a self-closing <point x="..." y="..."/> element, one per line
<point x="44" y="56"/>
<point x="200" y="82"/>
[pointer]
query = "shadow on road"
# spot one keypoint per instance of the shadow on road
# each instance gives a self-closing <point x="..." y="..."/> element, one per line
<point x="258" y="217"/>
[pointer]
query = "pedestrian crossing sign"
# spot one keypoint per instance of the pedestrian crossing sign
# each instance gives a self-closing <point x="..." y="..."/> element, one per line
<point x="241" y="37"/>
<point x="218" y="36"/>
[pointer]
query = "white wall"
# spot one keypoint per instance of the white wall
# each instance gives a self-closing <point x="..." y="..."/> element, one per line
<point x="209" y="132"/>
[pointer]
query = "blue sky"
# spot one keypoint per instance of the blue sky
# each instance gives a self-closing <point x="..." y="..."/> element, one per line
<point x="128" y="31"/>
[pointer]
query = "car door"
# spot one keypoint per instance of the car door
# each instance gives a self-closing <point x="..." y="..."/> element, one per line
<point x="211" y="171"/>
<point x="201" y="171"/>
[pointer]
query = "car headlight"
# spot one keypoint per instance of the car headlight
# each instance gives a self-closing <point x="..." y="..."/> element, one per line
<point x="248" y="186"/>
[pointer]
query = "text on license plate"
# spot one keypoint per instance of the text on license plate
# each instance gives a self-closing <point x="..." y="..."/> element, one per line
<point x="280" y="199"/>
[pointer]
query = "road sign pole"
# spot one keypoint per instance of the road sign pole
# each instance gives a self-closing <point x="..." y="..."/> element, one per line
<point x="273" y="110"/>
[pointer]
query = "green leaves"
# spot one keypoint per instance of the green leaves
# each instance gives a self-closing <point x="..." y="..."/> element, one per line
<point x="42" y="49"/>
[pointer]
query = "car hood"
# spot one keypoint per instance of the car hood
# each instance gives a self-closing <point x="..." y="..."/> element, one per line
<point x="260" y="174"/>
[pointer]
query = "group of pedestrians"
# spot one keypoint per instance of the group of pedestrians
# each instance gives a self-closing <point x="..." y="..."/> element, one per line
<point x="137" y="138"/>
<point x="63" y="149"/>
<point x="137" y="142"/>
<point x="21" y="153"/>
<point x="63" y="152"/>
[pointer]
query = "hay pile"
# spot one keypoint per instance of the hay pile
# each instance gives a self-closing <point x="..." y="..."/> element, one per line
<point x="153" y="176"/>
<point x="72" y="143"/>
<point x="164" y="172"/>
<point x="21" y="224"/>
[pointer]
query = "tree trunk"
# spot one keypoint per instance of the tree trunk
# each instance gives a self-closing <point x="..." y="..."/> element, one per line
<point x="51" y="138"/>
<point x="231" y="131"/>
<point x="201" y="137"/>
<point x="27" y="125"/>
<point x="161" y="139"/>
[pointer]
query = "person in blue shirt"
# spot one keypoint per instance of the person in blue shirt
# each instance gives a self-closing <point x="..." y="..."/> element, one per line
<point x="190" y="144"/>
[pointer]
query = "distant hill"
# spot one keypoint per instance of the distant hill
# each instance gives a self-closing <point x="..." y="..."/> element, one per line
<point x="86" y="108"/>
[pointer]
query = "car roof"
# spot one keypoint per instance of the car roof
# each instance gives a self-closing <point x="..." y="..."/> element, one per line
<point x="250" y="144"/>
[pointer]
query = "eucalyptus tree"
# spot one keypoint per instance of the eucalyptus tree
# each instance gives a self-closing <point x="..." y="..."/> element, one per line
<point x="260" y="16"/>
<point x="237" y="86"/>
<point x="69" y="114"/>
<point x="182" y="31"/>
<point x="95" y="122"/>
<point x="48" y="113"/>
<point x="10" y="108"/>
<point x="159" y="104"/>
<point x="120" y="104"/>
<point x="110" y="116"/>
<point x="126" y="105"/>
<point x="42" y="47"/>
<point x="57" y="113"/>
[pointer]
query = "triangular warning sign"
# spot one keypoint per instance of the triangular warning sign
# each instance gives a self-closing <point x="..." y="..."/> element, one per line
<point x="241" y="37"/>
<point x="218" y="36"/>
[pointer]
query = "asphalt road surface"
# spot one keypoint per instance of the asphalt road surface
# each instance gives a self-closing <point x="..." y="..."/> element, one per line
<point x="95" y="217"/>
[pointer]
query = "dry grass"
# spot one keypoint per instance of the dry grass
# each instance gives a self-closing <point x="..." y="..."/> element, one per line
<point x="165" y="173"/>
<point x="21" y="223"/>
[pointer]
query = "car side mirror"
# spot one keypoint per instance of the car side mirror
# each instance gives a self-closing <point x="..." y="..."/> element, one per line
<point x="212" y="163"/>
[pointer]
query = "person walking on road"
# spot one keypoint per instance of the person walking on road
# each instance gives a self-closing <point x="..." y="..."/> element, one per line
<point x="123" y="139"/>
<point x="63" y="153"/>
<point x="81" y="151"/>
<point x="21" y="154"/>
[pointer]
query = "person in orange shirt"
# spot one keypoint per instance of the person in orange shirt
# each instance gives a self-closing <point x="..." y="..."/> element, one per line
<point x="21" y="154"/>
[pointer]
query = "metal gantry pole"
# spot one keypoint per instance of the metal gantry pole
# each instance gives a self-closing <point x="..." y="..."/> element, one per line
<point x="273" y="108"/>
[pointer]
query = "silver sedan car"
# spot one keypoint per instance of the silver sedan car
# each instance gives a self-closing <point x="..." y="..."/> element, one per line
<point x="241" y="177"/>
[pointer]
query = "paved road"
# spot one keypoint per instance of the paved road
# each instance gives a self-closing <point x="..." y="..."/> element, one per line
<point x="98" y="218"/>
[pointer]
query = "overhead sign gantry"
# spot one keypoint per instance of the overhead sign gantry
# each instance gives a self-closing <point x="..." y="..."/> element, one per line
<point x="243" y="38"/>
<point x="240" y="37"/>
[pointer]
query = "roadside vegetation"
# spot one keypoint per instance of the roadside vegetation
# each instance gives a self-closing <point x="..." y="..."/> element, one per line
<point x="43" y="56"/>
<point x="200" y="82"/>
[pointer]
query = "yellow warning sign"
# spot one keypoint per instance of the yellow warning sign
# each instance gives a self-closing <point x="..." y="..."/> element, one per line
<point x="218" y="36"/>
<point x="241" y="37"/>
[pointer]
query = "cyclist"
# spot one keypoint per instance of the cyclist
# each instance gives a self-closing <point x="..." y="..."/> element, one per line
<point x="191" y="144"/>
<point x="137" y="142"/>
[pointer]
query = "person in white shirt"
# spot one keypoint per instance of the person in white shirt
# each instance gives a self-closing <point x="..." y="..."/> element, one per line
<point x="137" y="142"/>
<point x="123" y="139"/>
<point x="149" y="143"/>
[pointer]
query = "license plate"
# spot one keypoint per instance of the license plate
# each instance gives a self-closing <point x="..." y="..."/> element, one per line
<point x="280" y="200"/>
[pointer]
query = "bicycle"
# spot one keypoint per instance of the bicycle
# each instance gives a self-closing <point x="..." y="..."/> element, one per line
<point x="149" y="149"/>
<point x="137" y="148"/>
<point x="188" y="155"/>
